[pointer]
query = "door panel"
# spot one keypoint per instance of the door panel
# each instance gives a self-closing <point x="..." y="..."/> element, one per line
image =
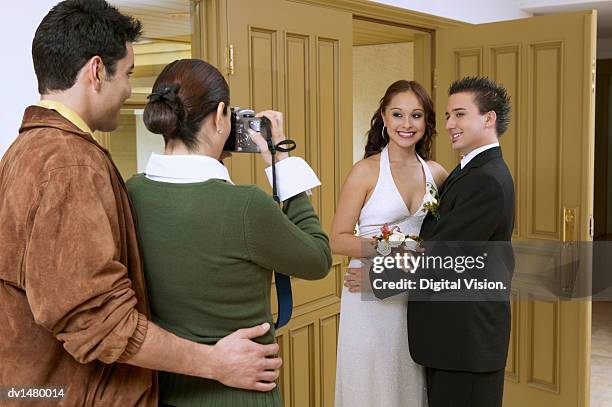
<point x="506" y="68"/>
<point x="468" y="62"/>
<point x="283" y="61"/>
<point x="546" y="64"/>
<point x="543" y="163"/>
<point x="328" y="111"/>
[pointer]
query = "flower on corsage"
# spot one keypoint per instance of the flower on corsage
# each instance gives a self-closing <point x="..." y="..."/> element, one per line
<point x="431" y="201"/>
<point x="393" y="237"/>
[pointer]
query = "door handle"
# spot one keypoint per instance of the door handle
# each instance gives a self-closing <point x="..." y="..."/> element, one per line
<point x="230" y="60"/>
<point x="569" y="253"/>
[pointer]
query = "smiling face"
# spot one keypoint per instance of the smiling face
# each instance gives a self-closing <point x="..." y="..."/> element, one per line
<point x="404" y="118"/>
<point x="466" y="127"/>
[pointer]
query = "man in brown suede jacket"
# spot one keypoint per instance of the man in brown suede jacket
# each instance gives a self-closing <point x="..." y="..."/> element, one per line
<point x="73" y="306"/>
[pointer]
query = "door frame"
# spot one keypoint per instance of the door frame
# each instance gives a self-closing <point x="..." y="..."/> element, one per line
<point x="424" y="51"/>
<point x="209" y="36"/>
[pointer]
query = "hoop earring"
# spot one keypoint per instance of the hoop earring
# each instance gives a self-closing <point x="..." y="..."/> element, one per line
<point x="382" y="132"/>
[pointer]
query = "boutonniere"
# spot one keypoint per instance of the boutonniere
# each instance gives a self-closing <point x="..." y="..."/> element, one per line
<point x="431" y="202"/>
<point x="392" y="237"/>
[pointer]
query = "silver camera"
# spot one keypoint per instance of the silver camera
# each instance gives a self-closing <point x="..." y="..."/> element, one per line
<point x="239" y="140"/>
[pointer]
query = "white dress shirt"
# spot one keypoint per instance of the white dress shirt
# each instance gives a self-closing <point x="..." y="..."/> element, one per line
<point x="468" y="157"/>
<point x="293" y="174"/>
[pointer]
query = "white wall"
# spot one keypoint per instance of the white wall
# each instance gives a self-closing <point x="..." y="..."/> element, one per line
<point x="473" y="11"/>
<point x="19" y="87"/>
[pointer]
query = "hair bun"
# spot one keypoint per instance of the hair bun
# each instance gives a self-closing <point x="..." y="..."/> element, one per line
<point x="184" y="94"/>
<point x="165" y="111"/>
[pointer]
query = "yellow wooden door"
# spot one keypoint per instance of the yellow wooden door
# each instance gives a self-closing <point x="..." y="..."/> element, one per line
<point x="296" y="58"/>
<point x="547" y="65"/>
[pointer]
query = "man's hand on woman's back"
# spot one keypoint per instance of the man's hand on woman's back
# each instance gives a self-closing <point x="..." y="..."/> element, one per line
<point x="239" y="362"/>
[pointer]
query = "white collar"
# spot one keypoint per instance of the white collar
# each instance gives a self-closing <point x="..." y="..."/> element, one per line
<point x="182" y="169"/>
<point x="469" y="156"/>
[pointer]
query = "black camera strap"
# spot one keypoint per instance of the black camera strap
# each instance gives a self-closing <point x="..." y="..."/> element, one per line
<point x="284" y="296"/>
<point x="273" y="149"/>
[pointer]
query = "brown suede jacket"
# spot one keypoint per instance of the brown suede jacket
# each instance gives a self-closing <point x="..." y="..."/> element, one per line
<point x="73" y="302"/>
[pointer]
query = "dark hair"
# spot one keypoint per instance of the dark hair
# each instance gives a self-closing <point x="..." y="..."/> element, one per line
<point x="73" y="32"/>
<point x="184" y="93"/>
<point x="376" y="142"/>
<point x="488" y="96"/>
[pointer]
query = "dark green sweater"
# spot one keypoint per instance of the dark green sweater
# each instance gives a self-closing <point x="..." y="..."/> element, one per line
<point x="209" y="249"/>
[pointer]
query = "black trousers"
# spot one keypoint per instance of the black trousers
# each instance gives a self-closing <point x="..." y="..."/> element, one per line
<point x="447" y="388"/>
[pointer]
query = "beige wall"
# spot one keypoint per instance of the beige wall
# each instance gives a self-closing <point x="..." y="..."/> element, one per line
<point x="375" y="67"/>
<point x="123" y="145"/>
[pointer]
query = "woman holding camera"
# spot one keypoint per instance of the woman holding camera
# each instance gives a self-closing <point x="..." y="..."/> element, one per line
<point x="209" y="247"/>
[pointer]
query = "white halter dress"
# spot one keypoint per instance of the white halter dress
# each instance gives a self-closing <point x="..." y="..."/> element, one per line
<point x="374" y="367"/>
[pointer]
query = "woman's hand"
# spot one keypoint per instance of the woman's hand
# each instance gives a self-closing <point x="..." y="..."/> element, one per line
<point x="354" y="276"/>
<point x="278" y="135"/>
<point x="352" y="280"/>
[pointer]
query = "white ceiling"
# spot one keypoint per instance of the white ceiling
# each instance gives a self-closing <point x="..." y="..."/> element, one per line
<point x="603" y="7"/>
<point x="472" y="11"/>
<point x="486" y="11"/>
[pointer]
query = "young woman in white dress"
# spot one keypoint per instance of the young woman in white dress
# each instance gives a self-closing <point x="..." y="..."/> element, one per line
<point x="374" y="367"/>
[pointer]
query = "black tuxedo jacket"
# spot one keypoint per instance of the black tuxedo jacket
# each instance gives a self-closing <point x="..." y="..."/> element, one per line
<point x="476" y="205"/>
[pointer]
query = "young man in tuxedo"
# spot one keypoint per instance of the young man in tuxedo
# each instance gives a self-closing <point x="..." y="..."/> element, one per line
<point x="464" y="344"/>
